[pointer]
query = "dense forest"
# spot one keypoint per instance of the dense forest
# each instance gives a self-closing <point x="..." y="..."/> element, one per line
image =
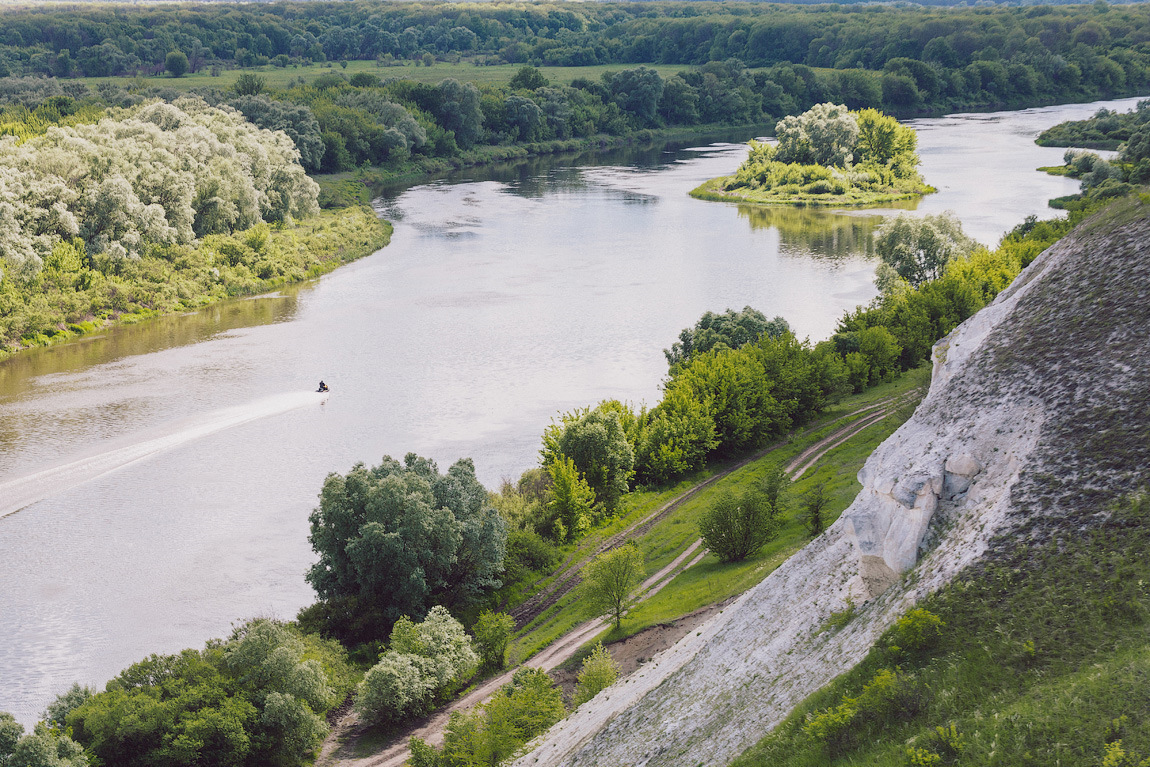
<point x="921" y="58"/>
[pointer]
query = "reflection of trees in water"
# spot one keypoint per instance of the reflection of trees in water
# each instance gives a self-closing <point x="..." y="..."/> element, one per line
<point x="152" y="335"/>
<point x="820" y="232"/>
<point x="540" y="175"/>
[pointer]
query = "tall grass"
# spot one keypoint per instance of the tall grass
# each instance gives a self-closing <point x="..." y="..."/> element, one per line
<point x="1043" y="659"/>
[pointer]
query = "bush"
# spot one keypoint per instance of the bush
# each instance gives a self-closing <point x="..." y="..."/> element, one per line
<point x="598" y="673"/>
<point x="528" y="552"/>
<point x="734" y="528"/>
<point x="492" y="631"/>
<point x="424" y="660"/>
<point x="393" y="688"/>
<point x="889" y="697"/>
<point x="494" y="731"/>
<point x="918" y="630"/>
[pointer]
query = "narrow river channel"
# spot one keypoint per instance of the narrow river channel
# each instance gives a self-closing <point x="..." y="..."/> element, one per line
<point x="155" y="481"/>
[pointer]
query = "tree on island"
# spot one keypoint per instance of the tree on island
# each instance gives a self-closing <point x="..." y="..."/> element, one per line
<point x="827" y="153"/>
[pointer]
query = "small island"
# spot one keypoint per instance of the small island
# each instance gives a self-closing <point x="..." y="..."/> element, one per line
<point x="828" y="155"/>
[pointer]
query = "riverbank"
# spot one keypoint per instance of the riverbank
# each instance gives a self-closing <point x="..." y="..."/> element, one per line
<point x="76" y="299"/>
<point x="371" y="181"/>
<point x="714" y="191"/>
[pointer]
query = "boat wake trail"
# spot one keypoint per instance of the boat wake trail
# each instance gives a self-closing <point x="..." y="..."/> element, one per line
<point x="15" y="494"/>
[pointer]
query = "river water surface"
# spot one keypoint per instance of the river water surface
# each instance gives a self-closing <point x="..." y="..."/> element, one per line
<point x="155" y="481"/>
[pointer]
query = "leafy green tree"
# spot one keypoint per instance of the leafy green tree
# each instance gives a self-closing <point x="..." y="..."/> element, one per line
<point x="734" y="386"/>
<point x="176" y="63"/>
<point x="680" y="102"/>
<point x="734" y="527"/>
<point x="597" y="443"/>
<point x="730" y="330"/>
<point x="10" y="733"/>
<point x="393" y="688"/>
<point x="525" y="118"/>
<point x="56" y="715"/>
<point x="256" y="699"/>
<point x="43" y="747"/>
<point x="775" y="487"/>
<point x="674" y="438"/>
<point x="598" y="672"/>
<point x="248" y="84"/>
<point x="441" y="640"/>
<point x="175" y="709"/>
<point x="881" y="350"/>
<point x="571" y="503"/>
<point x="826" y="134"/>
<point x="919" y="248"/>
<point x="883" y="139"/>
<point x="458" y="111"/>
<point x="295" y="120"/>
<point x="609" y="581"/>
<point x="494" y="731"/>
<point x="637" y="92"/>
<point x="405" y="536"/>
<point x="492" y="632"/>
<point x="528" y="78"/>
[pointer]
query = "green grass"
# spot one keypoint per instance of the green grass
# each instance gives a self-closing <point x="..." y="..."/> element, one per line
<point x="1042" y="650"/>
<point x="1058" y="170"/>
<point x="713" y="581"/>
<point x="465" y="71"/>
<point x="713" y="191"/>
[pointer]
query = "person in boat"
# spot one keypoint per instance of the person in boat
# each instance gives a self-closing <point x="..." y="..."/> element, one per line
<point x="322" y="387"/>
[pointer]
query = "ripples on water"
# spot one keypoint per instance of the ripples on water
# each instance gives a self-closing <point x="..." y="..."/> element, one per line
<point x="164" y="472"/>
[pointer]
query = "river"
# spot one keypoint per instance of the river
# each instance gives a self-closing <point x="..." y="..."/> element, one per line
<point x="155" y="481"/>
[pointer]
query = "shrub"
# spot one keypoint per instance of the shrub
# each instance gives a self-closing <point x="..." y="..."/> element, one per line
<point x="393" y="688"/>
<point x="918" y="630"/>
<point x="528" y="551"/>
<point x="492" y="631"/>
<point x="734" y="528"/>
<point x="609" y="579"/>
<point x="889" y="697"/>
<point x="494" y="731"/>
<point x="423" y="660"/>
<point x="598" y="673"/>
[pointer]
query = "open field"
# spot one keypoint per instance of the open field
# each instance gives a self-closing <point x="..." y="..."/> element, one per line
<point x="287" y="77"/>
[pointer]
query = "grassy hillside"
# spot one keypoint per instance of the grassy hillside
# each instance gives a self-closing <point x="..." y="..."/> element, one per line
<point x="1042" y="659"/>
<point x="711" y="581"/>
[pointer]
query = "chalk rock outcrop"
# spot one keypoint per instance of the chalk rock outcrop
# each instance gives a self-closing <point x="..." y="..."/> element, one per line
<point x="1038" y="413"/>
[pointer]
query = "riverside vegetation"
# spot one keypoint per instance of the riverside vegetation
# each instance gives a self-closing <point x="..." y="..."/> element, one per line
<point x="827" y="156"/>
<point x="741" y="64"/>
<point x="103" y="219"/>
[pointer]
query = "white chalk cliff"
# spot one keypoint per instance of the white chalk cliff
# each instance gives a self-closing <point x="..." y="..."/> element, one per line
<point x="1021" y="396"/>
